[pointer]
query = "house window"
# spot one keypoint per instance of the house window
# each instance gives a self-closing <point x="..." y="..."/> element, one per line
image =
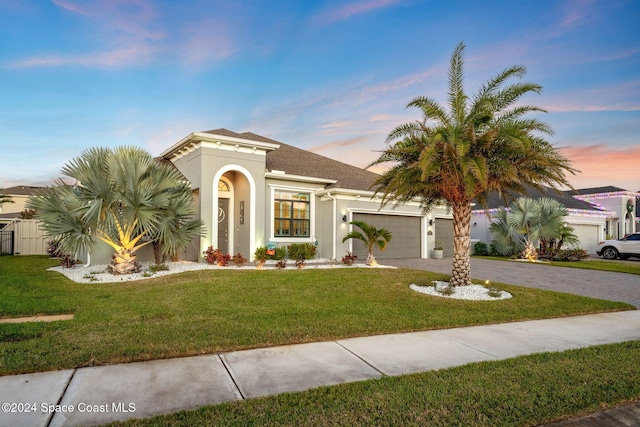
<point x="223" y="186"/>
<point x="292" y="214"/>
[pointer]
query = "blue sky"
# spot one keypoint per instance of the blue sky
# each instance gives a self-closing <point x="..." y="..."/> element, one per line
<point x="331" y="76"/>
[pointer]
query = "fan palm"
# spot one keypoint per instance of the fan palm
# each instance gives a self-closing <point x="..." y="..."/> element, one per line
<point x="121" y="197"/>
<point x="527" y="221"/>
<point x="370" y="236"/>
<point x="474" y="146"/>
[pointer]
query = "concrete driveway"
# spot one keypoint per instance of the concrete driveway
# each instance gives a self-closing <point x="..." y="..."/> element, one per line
<point x="591" y="283"/>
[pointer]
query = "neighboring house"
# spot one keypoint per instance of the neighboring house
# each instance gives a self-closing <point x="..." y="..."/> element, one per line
<point x="19" y="194"/>
<point x="251" y="190"/>
<point x="614" y="199"/>
<point x="589" y="222"/>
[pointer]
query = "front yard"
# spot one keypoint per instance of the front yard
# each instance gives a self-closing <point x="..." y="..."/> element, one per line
<point x="215" y="311"/>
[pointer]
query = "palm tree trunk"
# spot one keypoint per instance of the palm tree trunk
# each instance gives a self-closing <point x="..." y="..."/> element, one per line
<point x="461" y="270"/>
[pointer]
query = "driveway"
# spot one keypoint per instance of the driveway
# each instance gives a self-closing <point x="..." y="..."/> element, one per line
<point x="591" y="283"/>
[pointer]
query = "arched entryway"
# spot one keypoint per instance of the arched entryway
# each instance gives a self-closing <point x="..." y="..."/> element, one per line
<point x="233" y="222"/>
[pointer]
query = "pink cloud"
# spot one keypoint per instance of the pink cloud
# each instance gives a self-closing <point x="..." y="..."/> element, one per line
<point x="201" y="46"/>
<point x="330" y="146"/>
<point x="600" y="165"/>
<point x="133" y="55"/>
<point x="347" y="11"/>
<point x="576" y="13"/>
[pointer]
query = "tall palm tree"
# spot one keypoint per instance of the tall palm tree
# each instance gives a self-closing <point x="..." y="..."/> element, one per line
<point x="123" y="197"/>
<point x="474" y="146"/>
<point x="370" y="236"/>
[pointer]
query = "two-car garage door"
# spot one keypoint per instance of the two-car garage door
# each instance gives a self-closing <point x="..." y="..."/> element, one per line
<point x="406" y="235"/>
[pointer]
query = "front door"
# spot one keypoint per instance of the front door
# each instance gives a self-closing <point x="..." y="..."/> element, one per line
<point x="223" y="225"/>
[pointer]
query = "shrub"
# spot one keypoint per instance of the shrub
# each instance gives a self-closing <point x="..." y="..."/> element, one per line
<point x="301" y="251"/>
<point x="349" y="258"/>
<point x="480" y="248"/>
<point x="281" y="264"/>
<point x="239" y="260"/>
<point x="493" y="250"/>
<point x="53" y="248"/>
<point x="154" y="268"/>
<point x="261" y="253"/>
<point x="214" y="256"/>
<point x="552" y="254"/>
<point x="68" y="261"/>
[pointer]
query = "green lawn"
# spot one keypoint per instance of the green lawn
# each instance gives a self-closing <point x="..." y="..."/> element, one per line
<point x="213" y="311"/>
<point x="587" y="264"/>
<point x="524" y="391"/>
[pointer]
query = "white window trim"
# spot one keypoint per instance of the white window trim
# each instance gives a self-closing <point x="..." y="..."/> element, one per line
<point x="312" y="214"/>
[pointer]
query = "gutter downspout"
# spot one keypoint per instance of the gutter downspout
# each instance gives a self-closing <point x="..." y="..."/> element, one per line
<point x="334" y="226"/>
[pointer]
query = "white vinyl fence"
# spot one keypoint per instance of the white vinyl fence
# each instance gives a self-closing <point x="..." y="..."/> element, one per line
<point x="28" y="237"/>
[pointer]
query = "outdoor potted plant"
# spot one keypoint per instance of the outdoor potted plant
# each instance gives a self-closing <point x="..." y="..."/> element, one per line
<point x="438" y="252"/>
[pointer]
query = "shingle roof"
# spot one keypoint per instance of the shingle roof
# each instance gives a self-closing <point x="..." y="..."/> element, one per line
<point x="296" y="161"/>
<point x="597" y="190"/>
<point x="564" y="197"/>
<point x="20" y="190"/>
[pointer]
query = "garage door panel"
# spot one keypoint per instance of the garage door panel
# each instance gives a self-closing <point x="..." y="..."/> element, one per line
<point x="588" y="236"/>
<point x="405" y="235"/>
<point x="444" y="234"/>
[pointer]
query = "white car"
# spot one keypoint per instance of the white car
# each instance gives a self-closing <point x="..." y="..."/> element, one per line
<point x="624" y="248"/>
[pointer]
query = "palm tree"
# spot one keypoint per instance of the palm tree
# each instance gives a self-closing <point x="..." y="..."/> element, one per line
<point x="4" y="198"/>
<point x="526" y="222"/>
<point x="370" y="236"/>
<point x="123" y="197"/>
<point x="474" y="146"/>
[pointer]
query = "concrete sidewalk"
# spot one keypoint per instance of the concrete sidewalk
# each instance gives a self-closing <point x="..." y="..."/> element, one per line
<point x="102" y="394"/>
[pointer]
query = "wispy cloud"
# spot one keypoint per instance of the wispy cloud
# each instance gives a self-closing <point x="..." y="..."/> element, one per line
<point x="132" y="33"/>
<point x="203" y="46"/>
<point x="614" y="97"/>
<point x="333" y="145"/>
<point x="349" y="10"/>
<point x="126" y="56"/>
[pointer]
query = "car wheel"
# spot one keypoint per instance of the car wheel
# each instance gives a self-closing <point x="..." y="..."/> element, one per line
<point x="610" y="253"/>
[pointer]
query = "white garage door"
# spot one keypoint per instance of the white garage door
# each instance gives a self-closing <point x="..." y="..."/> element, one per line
<point x="405" y="236"/>
<point x="588" y="235"/>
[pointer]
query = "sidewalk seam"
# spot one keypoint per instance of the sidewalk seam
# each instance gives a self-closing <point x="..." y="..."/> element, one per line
<point x="363" y="360"/>
<point x="53" y="413"/>
<point x="233" y="379"/>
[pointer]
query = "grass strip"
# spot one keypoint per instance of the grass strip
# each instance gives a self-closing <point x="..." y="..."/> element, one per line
<point x="586" y="264"/>
<point x="204" y="312"/>
<point x="524" y="391"/>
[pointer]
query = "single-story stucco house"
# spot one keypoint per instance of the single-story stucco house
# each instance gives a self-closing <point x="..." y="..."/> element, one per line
<point x="251" y="190"/>
<point x="594" y="213"/>
<point x="19" y="195"/>
<point x="623" y="203"/>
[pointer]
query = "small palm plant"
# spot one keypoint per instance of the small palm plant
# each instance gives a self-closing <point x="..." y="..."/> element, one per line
<point x="371" y="236"/>
<point x="526" y="222"/>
